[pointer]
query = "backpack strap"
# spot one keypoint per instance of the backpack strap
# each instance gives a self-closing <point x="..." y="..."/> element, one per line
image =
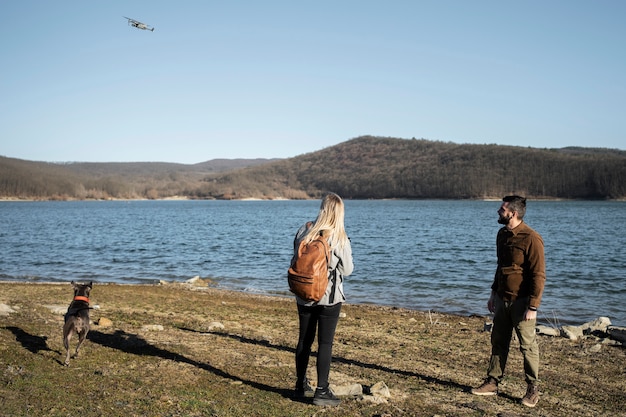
<point x="333" y="277"/>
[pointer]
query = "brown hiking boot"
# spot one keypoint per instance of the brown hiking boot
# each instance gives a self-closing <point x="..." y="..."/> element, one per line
<point x="489" y="387"/>
<point x="532" y="396"/>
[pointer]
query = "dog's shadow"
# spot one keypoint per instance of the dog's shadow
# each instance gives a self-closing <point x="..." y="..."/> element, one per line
<point x="30" y="342"/>
<point x="136" y="345"/>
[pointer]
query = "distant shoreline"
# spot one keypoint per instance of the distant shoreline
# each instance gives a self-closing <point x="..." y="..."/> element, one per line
<point x="183" y="198"/>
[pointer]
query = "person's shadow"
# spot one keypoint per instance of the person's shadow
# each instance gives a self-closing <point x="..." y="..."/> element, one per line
<point x="136" y="345"/>
<point x="347" y="361"/>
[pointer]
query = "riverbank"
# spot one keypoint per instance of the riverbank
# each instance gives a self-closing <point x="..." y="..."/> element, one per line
<point x="192" y="350"/>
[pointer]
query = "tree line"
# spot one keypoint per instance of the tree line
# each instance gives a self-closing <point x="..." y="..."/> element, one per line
<point x="362" y="168"/>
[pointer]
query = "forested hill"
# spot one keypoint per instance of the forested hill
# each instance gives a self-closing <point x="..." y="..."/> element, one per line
<point x="361" y="168"/>
<point x="22" y="179"/>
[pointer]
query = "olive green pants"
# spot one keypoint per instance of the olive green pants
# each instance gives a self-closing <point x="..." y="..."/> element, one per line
<point x="509" y="316"/>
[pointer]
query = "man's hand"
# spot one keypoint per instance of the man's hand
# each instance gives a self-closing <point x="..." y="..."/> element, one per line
<point x="530" y="314"/>
<point x="490" y="304"/>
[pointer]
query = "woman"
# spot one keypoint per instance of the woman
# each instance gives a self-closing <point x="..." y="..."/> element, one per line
<point x="324" y="314"/>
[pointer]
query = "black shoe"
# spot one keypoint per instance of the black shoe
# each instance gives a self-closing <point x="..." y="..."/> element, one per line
<point x="303" y="390"/>
<point x="325" y="397"/>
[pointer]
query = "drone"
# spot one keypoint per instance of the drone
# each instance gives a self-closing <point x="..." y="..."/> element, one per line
<point x="139" y="25"/>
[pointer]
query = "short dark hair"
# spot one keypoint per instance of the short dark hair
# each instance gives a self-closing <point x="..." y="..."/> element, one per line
<point x="516" y="203"/>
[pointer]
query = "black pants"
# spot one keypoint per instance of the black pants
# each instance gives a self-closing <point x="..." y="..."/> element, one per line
<point x="311" y="318"/>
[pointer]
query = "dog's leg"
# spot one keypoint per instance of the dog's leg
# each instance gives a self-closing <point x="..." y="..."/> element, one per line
<point x="81" y="338"/>
<point x="67" y="335"/>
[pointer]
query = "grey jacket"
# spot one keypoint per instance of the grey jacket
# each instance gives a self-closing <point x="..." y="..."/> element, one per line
<point x="340" y="265"/>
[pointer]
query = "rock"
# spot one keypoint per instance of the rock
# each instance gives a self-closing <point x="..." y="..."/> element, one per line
<point x="215" y="325"/>
<point x="611" y="342"/>
<point x="196" y="281"/>
<point x="57" y="308"/>
<point x="351" y="390"/>
<point x="576" y="332"/>
<point x="547" y="330"/>
<point x="595" y="348"/>
<point x="380" y="389"/>
<point x="104" y="322"/>
<point x="152" y="327"/>
<point x="5" y="310"/>
<point x="598" y="325"/>
<point x="377" y="393"/>
<point x="617" y="333"/>
<point x="572" y="332"/>
<point x="374" y="399"/>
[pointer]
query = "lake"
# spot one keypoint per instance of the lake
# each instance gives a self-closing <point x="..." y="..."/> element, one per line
<point x="424" y="255"/>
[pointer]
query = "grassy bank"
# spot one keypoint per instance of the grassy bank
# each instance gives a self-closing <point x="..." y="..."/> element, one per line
<point x="192" y="366"/>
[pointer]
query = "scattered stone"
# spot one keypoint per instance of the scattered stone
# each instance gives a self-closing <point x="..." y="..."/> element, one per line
<point x="104" y="322"/>
<point x="5" y="310"/>
<point x="598" y="325"/>
<point x="152" y="327"/>
<point x="547" y="330"/>
<point x="15" y="370"/>
<point x="342" y="315"/>
<point x="352" y="390"/>
<point x="380" y="389"/>
<point x="595" y="348"/>
<point x="610" y="342"/>
<point x="215" y="325"/>
<point x="597" y="329"/>
<point x="57" y="308"/>
<point x="617" y="333"/>
<point x="572" y="332"/>
<point x="377" y="393"/>
<point x="374" y="399"/>
<point x="197" y="281"/>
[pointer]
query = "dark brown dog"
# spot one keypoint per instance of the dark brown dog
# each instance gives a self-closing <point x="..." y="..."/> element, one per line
<point x="77" y="318"/>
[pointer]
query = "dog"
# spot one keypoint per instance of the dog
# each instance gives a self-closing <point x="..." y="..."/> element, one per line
<point x="77" y="318"/>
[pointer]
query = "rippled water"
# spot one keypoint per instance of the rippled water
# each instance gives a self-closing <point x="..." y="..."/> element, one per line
<point x="425" y="255"/>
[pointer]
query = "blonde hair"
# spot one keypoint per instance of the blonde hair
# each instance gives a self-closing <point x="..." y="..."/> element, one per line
<point x="330" y="222"/>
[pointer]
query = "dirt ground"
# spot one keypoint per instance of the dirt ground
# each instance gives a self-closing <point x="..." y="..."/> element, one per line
<point x="193" y="350"/>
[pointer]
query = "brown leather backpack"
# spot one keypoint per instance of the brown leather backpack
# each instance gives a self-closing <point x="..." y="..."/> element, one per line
<point x="308" y="274"/>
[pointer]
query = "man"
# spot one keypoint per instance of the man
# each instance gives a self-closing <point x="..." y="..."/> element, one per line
<point x="515" y="297"/>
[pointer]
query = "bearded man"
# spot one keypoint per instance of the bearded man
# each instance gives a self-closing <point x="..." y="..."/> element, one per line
<point x="515" y="297"/>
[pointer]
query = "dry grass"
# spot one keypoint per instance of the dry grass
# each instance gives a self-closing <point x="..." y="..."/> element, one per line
<point x="428" y="360"/>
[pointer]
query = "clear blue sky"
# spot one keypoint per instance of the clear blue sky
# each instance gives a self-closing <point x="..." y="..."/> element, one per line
<point x="276" y="79"/>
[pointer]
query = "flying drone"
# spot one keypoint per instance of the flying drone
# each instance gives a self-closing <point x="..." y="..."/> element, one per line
<point x="137" y="24"/>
